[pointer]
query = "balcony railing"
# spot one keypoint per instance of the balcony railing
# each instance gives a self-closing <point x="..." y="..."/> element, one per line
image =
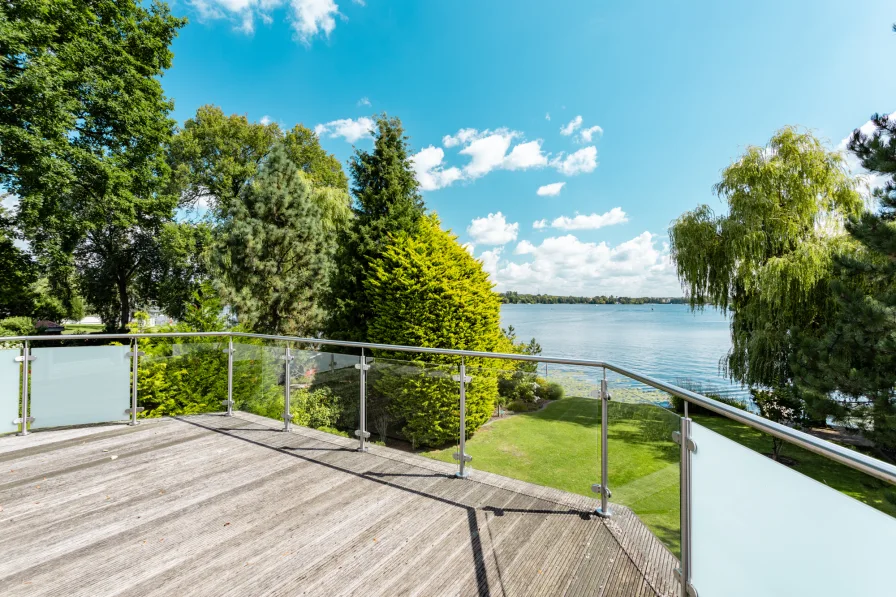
<point x="747" y="525"/>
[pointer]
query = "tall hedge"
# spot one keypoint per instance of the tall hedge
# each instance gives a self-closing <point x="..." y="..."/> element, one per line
<point x="427" y="290"/>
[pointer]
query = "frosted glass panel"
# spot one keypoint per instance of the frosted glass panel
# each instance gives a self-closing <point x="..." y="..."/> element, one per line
<point x="80" y="385"/>
<point x="760" y="528"/>
<point x="10" y="395"/>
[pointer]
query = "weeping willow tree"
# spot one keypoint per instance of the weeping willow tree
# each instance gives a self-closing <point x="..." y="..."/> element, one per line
<point x="769" y="259"/>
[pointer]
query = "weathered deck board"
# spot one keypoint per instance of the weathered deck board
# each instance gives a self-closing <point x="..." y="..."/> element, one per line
<point x="215" y="505"/>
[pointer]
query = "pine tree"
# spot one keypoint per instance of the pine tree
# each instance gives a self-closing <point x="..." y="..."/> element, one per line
<point x="387" y="201"/>
<point x="273" y="256"/>
<point x="427" y="290"/>
<point x="857" y="356"/>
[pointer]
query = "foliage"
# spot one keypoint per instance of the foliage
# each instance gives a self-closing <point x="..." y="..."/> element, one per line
<point x="387" y="202"/>
<point x="82" y="119"/>
<point x="768" y="260"/>
<point x="427" y="290"/>
<point x="17" y="273"/>
<point x="781" y="406"/>
<point x="855" y="357"/>
<point x="182" y="267"/>
<point x="549" y="390"/>
<point x="273" y="257"/>
<point x="214" y="156"/>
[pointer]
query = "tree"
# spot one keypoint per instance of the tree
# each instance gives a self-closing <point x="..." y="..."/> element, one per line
<point x="83" y="118"/>
<point x="387" y="202"/>
<point x="769" y="259"/>
<point x="427" y="290"/>
<point x="856" y="356"/>
<point x="213" y="156"/>
<point x="272" y="256"/>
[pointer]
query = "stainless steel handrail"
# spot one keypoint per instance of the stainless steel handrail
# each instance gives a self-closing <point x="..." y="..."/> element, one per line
<point x="850" y="458"/>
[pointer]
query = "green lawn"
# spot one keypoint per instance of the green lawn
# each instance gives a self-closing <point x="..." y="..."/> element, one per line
<point x="87" y="328"/>
<point x="558" y="447"/>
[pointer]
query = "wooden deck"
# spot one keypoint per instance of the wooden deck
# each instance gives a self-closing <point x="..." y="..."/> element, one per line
<point x="230" y="506"/>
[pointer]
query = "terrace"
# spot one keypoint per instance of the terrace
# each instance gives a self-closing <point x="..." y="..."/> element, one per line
<point x="233" y="503"/>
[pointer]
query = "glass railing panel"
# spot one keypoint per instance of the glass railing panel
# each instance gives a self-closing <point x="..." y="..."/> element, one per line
<point x="79" y="385"/>
<point x="413" y="405"/>
<point x="325" y="391"/>
<point x="178" y="376"/>
<point x="529" y="432"/>
<point x="10" y="391"/>
<point x="644" y="473"/>
<point x="761" y="528"/>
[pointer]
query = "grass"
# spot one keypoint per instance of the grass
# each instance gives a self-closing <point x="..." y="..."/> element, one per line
<point x="558" y="447"/>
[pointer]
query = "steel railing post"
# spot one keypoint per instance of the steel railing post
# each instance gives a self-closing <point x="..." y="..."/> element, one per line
<point x="462" y="457"/>
<point x="603" y="488"/>
<point x="687" y="448"/>
<point x="287" y="412"/>
<point x="361" y="432"/>
<point x="26" y="362"/>
<point x="230" y="377"/>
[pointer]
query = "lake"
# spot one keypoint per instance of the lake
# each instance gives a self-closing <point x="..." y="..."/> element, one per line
<point x="669" y="342"/>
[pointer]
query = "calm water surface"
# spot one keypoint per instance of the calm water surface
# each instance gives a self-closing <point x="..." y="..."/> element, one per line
<point x="669" y="342"/>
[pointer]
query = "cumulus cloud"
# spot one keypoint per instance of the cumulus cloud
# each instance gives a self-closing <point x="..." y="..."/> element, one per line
<point x="429" y="169"/>
<point x="487" y="152"/>
<point x="566" y="265"/>
<point x="525" y="155"/>
<point x="592" y="222"/>
<point x="308" y="18"/>
<point x="265" y="120"/>
<point x="490" y="260"/>
<point x="579" y="162"/>
<point x="550" y="190"/>
<point x="571" y="127"/>
<point x="364" y="101"/>
<point x="585" y="135"/>
<point x="540" y="224"/>
<point x="494" y="229"/>
<point x="462" y="137"/>
<point x="351" y="130"/>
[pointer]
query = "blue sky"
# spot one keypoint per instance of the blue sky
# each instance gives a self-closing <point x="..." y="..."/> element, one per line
<point x="622" y="113"/>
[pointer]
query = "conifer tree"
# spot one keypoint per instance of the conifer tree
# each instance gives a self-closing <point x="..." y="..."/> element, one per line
<point x="387" y="201"/>
<point x="273" y="255"/>
<point x="856" y="358"/>
<point x="427" y="290"/>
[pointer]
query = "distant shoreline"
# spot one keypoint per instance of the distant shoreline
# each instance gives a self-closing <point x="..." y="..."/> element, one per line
<point x="515" y="298"/>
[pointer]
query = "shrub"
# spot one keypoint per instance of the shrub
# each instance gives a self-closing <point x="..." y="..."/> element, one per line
<point x="519" y="406"/>
<point x="549" y="390"/>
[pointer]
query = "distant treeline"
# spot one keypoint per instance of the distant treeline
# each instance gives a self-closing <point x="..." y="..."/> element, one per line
<point x="515" y="298"/>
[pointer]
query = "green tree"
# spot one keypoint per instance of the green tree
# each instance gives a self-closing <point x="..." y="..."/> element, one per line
<point x="769" y="259"/>
<point x="83" y="118"/>
<point x="272" y="256"/>
<point x="427" y="290"/>
<point x="856" y="356"/>
<point x="387" y="202"/>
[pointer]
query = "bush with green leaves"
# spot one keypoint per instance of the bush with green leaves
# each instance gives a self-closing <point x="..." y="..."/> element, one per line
<point x="548" y="390"/>
<point x="427" y="290"/>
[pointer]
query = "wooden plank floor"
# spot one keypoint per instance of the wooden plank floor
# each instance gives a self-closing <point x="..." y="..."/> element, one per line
<point x="231" y="506"/>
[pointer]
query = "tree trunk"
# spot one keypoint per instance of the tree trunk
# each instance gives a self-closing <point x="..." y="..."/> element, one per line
<point x="125" y="315"/>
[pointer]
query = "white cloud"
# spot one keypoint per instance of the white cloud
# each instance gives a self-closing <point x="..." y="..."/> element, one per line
<point x="583" y="160"/>
<point x="540" y="224"/>
<point x="566" y="265"/>
<point x="469" y="248"/>
<point x="350" y="129"/>
<point x="308" y="18"/>
<point x="524" y="248"/>
<point x="550" y="190"/>
<point x="462" y="137"/>
<point x="585" y="135"/>
<point x="547" y="115"/>
<point x="570" y="128"/>
<point x="364" y="101"/>
<point x="592" y="222"/>
<point x="429" y="169"/>
<point x="526" y="155"/>
<point x="492" y="230"/>
<point x="490" y="260"/>
<point x="487" y="152"/>
<point x="265" y="120"/>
